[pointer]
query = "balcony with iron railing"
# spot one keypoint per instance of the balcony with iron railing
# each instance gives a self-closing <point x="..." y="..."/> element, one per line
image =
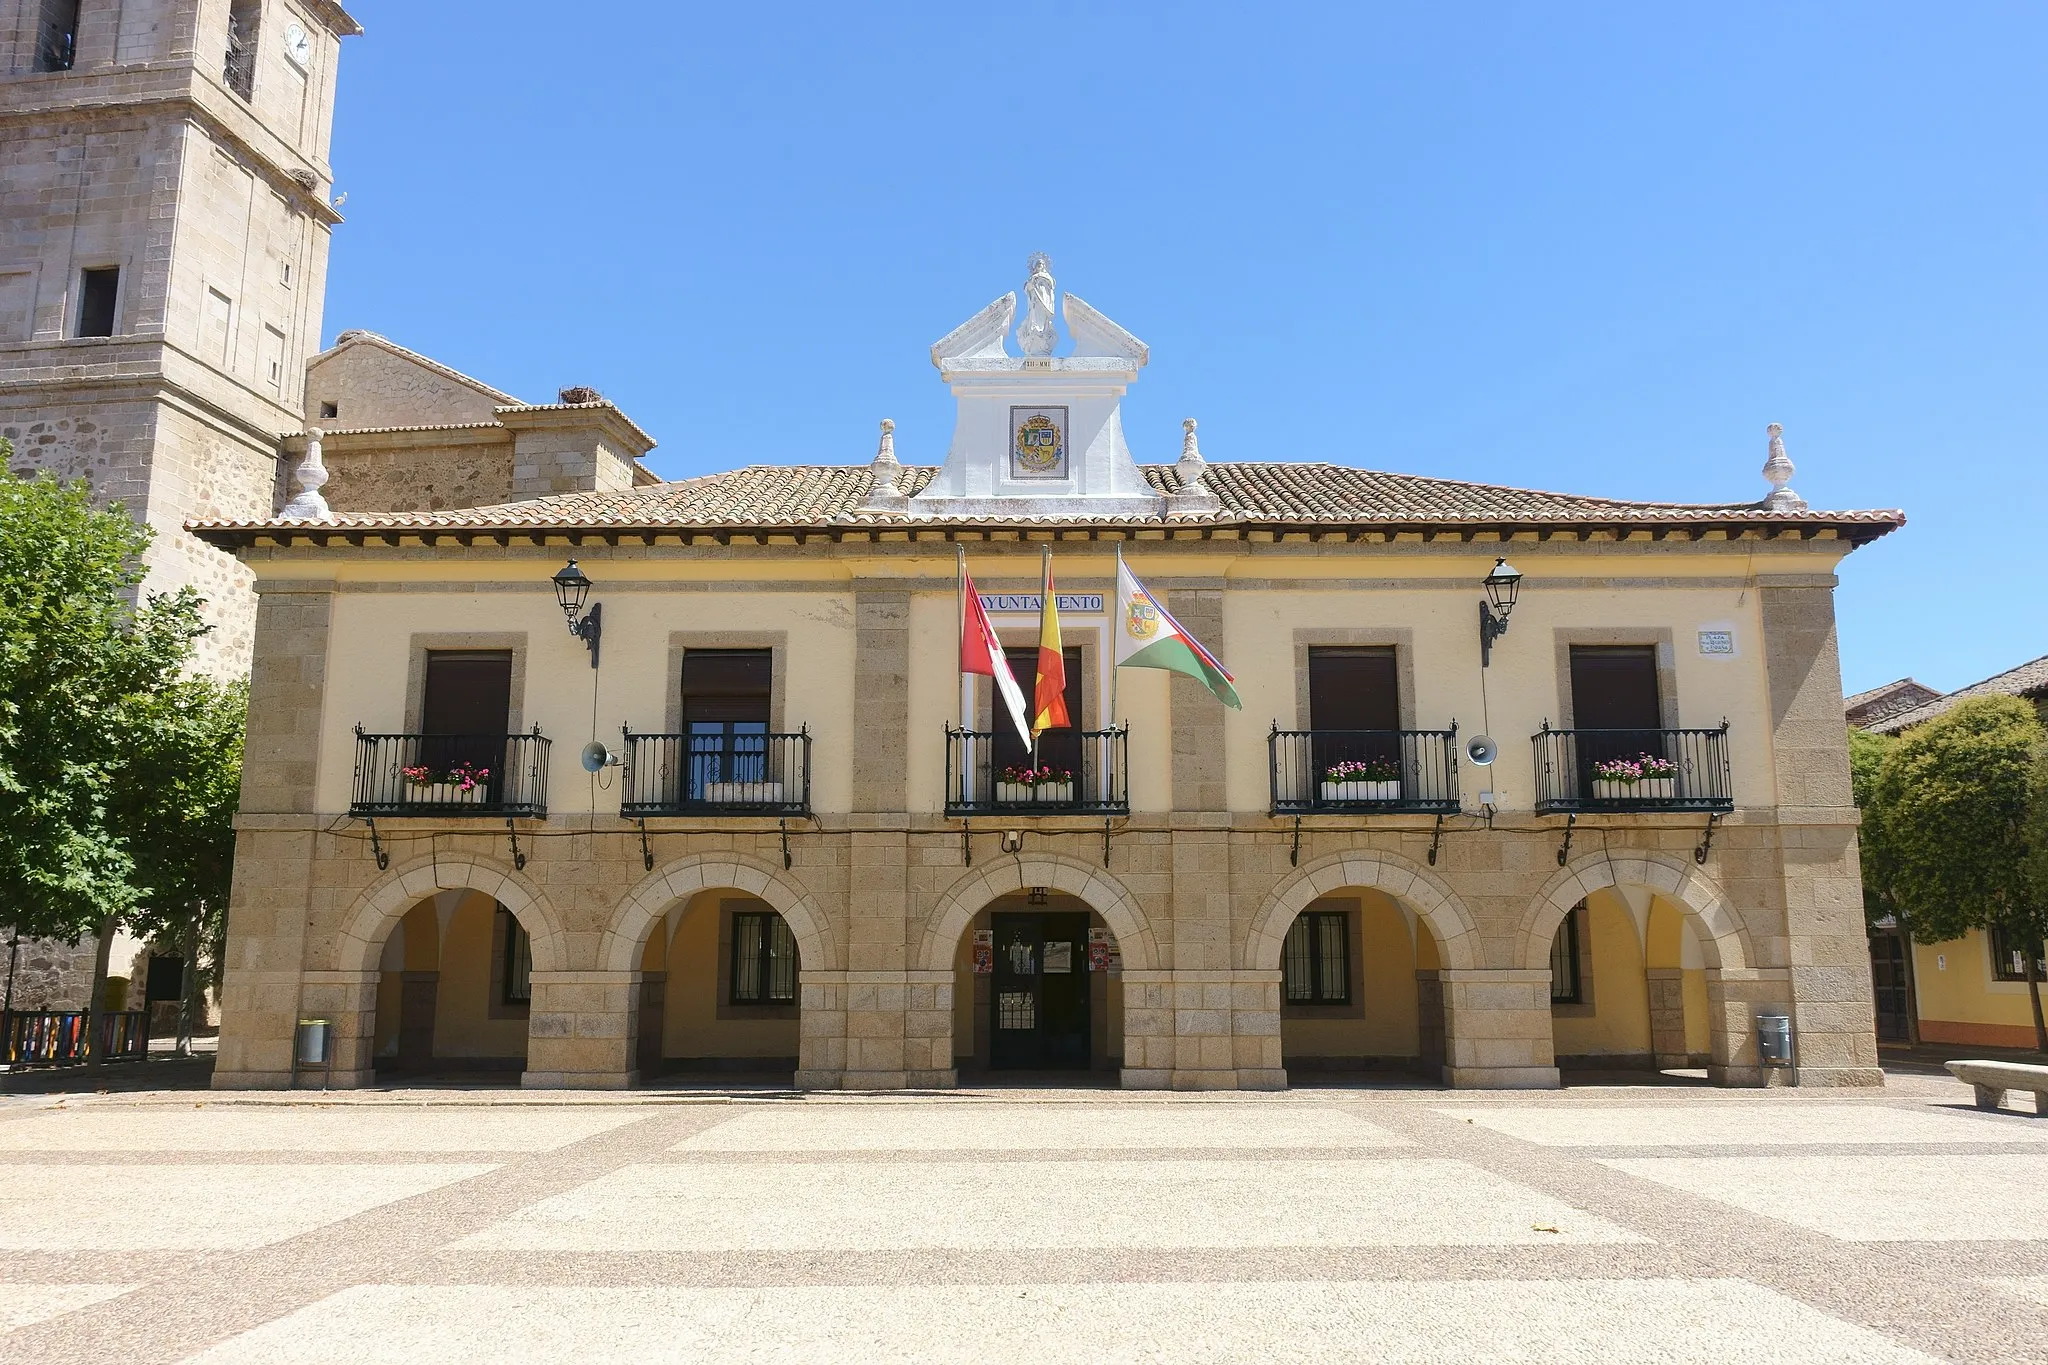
<point x="1322" y="772"/>
<point x="451" y="775"/>
<point x="720" y="773"/>
<point x="1580" y="771"/>
<point x="1078" y="772"/>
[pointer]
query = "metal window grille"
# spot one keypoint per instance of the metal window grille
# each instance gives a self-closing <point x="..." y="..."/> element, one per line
<point x="2009" y="961"/>
<point x="518" y="961"/>
<point x="1016" y="1010"/>
<point x="764" y="959"/>
<point x="1565" y="986"/>
<point x="1315" y="959"/>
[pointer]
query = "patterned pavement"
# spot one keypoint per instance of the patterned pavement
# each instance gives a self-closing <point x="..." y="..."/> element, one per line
<point x="1596" y="1224"/>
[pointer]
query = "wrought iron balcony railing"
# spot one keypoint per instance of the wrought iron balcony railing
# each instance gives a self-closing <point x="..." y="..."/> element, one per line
<point x="500" y="775"/>
<point x="718" y="773"/>
<point x="1362" y="771"/>
<point x="1632" y="770"/>
<point x="1090" y="774"/>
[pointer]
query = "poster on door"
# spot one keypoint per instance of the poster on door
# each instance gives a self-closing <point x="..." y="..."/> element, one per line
<point x="984" y="951"/>
<point x="1102" y="953"/>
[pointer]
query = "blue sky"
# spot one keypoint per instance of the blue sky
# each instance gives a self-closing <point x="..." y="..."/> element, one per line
<point x="1588" y="247"/>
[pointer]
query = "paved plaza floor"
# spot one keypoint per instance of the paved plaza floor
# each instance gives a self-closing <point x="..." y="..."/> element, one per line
<point x="1609" y="1223"/>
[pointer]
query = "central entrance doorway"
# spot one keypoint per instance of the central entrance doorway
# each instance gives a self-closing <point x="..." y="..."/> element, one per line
<point x="1038" y="997"/>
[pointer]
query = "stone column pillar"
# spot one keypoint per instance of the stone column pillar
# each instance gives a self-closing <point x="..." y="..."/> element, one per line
<point x="582" y="1031"/>
<point x="1827" y="949"/>
<point x="821" y="1030"/>
<point x="1149" y="1047"/>
<point x="1667" y="1017"/>
<point x="1429" y="1017"/>
<point x="260" y="994"/>
<point x="928" y="1031"/>
<point x="1255" y="1030"/>
<point x="1205" y="1057"/>
<point x="1734" y="999"/>
<point x="1497" y="1029"/>
<point x="348" y="1000"/>
<point x="877" y="1045"/>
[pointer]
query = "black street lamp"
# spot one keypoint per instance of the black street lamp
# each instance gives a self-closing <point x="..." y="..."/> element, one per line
<point x="1502" y="584"/>
<point x="572" y="590"/>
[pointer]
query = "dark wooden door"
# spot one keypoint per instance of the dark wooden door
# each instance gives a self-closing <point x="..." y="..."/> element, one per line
<point x="465" y="712"/>
<point x="1888" y="984"/>
<point x="1615" y="705"/>
<point x="1056" y="748"/>
<point x="1038" y="992"/>
<point x="1354" y="704"/>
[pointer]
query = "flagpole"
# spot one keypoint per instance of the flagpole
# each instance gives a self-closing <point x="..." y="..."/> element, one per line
<point x="966" y="678"/>
<point x="1117" y="607"/>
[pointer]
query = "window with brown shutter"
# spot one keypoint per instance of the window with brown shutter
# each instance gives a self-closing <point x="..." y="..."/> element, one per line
<point x="465" y="712"/>
<point x="727" y="695"/>
<point x="1354" y="704"/>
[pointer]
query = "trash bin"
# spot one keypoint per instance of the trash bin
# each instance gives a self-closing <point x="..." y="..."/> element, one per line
<point x="1774" y="1039"/>
<point x="315" y="1036"/>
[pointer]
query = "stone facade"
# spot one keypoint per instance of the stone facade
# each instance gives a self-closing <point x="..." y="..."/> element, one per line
<point x="212" y="205"/>
<point x="405" y="433"/>
<point x="1200" y="882"/>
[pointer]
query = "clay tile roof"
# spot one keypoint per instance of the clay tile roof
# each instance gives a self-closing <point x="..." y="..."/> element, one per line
<point x="800" y="497"/>
<point x="2030" y="680"/>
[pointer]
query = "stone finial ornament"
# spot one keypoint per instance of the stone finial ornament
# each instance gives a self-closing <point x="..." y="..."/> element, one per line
<point x="1191" y="469"/>
<point x="1036" y="334"/>
<point x="312" y="477"/>
<point x="1778" y="472"/>
<point x="885" y="494"/>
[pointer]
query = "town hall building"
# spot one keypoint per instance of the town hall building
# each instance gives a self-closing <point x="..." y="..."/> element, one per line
<point x="636" y="782"/>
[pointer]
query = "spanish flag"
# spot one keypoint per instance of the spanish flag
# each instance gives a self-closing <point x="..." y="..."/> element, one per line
<point x="1049" y="698"/>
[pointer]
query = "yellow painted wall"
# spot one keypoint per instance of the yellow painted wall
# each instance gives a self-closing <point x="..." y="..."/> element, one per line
<point x="368" y="662"/>
<point x="1427" y="589"/>
<point x="1383" y="1021"/>
<point x="691" y="1026"/>
<point x="414" y="946"/>
<point x="1955" y="987"/>
<point x="1619" y="1023"/>
<point x="463" y="1026"/>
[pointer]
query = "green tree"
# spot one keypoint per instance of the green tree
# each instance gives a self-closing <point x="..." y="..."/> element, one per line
<point x="82" y="671"/>
<point x="1867" y="754"/>
<point x="1953" y="810"/>
<point x="176" y="816"/>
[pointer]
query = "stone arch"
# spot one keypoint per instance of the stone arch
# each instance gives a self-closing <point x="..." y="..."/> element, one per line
<point x="1106" y="896"/>
<point x="385" y="901"/>
<point x="1724" y="940"/>
<point x="1457" y="937"/>
<point x="619" y="950"/>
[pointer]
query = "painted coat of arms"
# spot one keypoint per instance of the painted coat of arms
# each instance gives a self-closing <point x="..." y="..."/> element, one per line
<point x="1038" y="448"/>
<point x="1141" y="618"/>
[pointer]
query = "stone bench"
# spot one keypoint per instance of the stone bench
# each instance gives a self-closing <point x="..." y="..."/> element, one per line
<point x="1993" y="1079"/>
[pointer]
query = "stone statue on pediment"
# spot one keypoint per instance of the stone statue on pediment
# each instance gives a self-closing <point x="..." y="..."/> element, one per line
<point x="1035" y="335"/>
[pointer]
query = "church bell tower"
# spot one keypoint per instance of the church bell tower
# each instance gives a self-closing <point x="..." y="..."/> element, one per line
<point x="164" y="225"/>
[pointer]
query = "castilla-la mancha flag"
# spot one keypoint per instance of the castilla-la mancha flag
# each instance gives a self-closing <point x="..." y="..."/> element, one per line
<point x="981" y="652"/>
<point x="1147" y="637"/>
<point x="1049" y="698"/>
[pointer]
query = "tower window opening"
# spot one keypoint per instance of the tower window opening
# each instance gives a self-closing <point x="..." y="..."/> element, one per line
<point x="245" y="17"/>
<point x="99" y="289"/>
<point x="57" y="36"/>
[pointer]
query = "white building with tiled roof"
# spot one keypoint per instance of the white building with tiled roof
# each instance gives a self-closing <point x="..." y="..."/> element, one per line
<point x="743" y="816"/>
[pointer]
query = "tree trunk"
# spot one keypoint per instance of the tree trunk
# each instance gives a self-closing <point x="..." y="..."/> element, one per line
<point x="2033" y="957"/>
<point x="96" y="1005"/>
<point x="188" y="984"/>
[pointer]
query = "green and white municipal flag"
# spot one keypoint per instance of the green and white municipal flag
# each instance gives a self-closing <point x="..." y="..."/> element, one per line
<point x="1147" y="637"/>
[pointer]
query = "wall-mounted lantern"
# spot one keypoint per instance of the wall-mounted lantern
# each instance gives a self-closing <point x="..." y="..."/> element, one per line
<point x="1502" y="585"/>
<point x="572" y="590"/>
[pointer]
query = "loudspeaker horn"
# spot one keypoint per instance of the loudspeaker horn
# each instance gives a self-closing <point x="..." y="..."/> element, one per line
<point x="1481" y="749"/>
<point x="596" y="757"/>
